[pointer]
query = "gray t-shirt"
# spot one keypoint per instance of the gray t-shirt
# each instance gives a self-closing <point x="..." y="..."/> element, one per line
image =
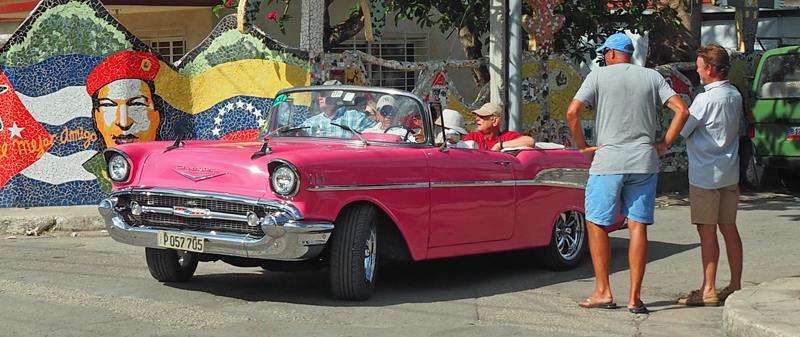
<point x="627" y="99"/>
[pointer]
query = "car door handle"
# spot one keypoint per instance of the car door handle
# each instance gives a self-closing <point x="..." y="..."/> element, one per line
<point x="502" y="162"/>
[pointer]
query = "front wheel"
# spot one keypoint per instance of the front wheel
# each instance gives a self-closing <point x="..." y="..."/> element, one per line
<point x="568" y="242"/>
<point x="168" y="265"/>
<point x="354" y="254"/>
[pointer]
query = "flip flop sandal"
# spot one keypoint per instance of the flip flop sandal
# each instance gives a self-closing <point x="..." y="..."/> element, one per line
<point x="640" y="310"/>
<point x="589" y="304"/>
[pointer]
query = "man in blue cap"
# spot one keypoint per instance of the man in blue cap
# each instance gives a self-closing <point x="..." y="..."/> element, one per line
<point x="624" y="172"/>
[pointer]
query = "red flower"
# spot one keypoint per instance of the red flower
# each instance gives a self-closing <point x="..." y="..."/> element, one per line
<point x="230" y="3"/>
<point x="272" y="15"/>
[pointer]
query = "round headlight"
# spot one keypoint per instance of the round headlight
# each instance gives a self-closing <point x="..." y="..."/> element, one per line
<point x="118" y="168"/>
<point x="284" y="181"/>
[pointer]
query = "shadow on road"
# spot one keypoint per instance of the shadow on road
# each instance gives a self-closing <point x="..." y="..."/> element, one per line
<point x="419" y="282"/>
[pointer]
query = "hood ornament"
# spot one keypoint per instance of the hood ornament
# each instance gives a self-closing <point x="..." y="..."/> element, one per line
<point x="197" y="173"/>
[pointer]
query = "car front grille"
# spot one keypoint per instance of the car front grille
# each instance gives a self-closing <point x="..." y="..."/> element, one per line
<point x="173" y="221"/>
<point x="177" y="222"/>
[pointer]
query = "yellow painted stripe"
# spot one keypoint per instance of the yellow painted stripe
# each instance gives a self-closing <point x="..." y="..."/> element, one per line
<point x="258" y="78"/>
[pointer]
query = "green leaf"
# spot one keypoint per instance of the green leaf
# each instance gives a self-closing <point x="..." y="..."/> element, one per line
<point x="217" y="9"/>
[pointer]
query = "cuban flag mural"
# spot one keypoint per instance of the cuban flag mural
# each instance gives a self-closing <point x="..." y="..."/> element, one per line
<point x="74" y="82"/>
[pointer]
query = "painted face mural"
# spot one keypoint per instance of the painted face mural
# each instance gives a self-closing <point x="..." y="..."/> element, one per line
<point x="125" y="112"/>
<point x="122" y="93"/>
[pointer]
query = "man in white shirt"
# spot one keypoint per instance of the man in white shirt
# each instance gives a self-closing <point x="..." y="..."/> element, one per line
<point x="712" y="143"/>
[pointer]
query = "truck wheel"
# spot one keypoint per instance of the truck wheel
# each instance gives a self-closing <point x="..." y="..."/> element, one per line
<point x="568" y="243"/>
<point x="751" y="173"/>
<point x="791" y="180"/>
<point x="354" y="254"/>
<point x="168" y="265"/>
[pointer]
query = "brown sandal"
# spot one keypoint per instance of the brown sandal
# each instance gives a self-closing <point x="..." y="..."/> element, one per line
<point x="724" y="293"/>
<point x="696" y="299"/>
<point x="589" y="303"/>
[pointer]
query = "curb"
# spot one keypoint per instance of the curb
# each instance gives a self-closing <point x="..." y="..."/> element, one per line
<point x="35" y="221"/>
<point x="766" y="310"/>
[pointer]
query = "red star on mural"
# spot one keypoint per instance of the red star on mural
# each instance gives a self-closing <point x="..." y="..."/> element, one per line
<point x="22" y="139"/>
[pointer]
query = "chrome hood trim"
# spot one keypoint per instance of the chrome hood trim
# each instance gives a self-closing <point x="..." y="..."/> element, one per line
<point x="284" y="206"/>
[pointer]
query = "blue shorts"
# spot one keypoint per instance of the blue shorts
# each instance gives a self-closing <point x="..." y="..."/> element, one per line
<point x="634" y="195"/>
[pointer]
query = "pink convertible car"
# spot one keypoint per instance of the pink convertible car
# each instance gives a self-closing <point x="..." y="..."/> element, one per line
<point x="343" y="178"/>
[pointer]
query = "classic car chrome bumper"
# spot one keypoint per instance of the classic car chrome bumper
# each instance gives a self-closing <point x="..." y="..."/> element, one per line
<point x="286" y="239"/>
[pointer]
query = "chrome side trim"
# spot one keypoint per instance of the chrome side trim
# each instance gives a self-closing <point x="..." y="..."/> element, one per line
<point x="559" y="177"/>
<point x="473" y="183"/>
<point x="281" y="205"/>
<point x="327" y="188"/>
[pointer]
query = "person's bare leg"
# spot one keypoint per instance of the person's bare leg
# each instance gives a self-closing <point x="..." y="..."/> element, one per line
<point x="600" y="249"/>
<point x="709" y="252"/>
<point x="637" y="259"/>
<point x="733" y="248"/>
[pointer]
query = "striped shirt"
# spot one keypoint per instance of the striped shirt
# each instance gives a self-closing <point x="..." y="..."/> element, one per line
<point x="321" y="126"/>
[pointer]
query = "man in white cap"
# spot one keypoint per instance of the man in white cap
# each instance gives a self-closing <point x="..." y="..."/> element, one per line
<point x="489" y="119"/>
<point x="624" y="171"/>
<point x="387" y="118"/>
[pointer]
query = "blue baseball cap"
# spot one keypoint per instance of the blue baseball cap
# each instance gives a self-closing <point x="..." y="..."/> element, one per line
<point x="618" y="41"/>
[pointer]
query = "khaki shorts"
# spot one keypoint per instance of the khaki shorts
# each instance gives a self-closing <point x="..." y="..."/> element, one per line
<point x="717" y="206"/>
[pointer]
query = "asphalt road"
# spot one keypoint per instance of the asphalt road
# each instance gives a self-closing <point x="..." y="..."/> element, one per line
<point x="92" y="286"/>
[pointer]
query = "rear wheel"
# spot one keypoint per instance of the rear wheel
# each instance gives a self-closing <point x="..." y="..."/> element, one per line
<point x="790" y="179"/>
<point x="750" y="171"/>
<point x="168" y="265"/>
<point x="568" y="243"/>
<point x="354" y="254"/>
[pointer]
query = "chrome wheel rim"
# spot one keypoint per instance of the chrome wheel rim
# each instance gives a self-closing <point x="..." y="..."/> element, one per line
<point x="570" y="232"/>
<point x="370" y="259"/>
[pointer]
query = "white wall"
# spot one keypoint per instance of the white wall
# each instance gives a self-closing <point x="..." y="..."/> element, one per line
<point x="723" y="32"/>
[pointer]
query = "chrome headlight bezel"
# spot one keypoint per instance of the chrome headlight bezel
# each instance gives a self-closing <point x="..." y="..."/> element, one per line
<point x="118" y="157"/>
<point x="281" y="169"/>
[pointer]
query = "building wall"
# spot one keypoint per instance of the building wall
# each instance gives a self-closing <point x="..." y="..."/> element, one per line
<point x="193" y="24"/>
<point x="439" y="45"/>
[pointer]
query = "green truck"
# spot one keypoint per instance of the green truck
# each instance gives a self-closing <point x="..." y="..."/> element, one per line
<point x="772" y="146"/>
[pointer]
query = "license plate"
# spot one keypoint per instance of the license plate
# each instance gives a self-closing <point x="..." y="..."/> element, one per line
<point x="793" y="133"/>
<point x="181" y="242"/>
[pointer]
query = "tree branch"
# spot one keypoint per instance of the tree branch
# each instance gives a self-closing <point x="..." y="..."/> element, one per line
<point x="343" y="31"/>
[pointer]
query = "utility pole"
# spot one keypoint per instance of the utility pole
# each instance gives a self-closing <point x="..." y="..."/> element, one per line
<point x="505" y="59"/>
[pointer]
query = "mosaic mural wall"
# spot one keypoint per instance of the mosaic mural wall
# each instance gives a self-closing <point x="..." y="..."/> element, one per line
<point x="73" y="81"/>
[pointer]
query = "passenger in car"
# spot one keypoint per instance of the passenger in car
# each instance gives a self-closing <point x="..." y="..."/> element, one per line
<point x="488" y="119"/>
<point x="453" y="128"/>
<point x="332" y="111"/>
<point x="387" y="117"/>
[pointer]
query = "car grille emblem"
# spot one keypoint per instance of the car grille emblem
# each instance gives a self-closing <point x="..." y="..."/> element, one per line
<point x="196" y="173"/>
<point x="190" y="212"/>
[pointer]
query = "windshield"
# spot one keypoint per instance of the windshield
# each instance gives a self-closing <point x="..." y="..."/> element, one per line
<point x="346" y="114"/>
<point x="780" y="77"/>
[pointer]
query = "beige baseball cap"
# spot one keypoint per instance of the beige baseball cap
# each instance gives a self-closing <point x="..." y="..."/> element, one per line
<point x="490" y="109"/>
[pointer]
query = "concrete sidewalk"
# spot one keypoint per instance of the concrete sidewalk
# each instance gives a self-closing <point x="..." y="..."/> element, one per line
<point x="38" y="220"/>
<point x="768" y="309"/>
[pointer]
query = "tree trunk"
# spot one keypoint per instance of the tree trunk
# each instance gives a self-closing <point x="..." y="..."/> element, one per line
<point x="473" y="50"/>
<point x="676" y="43"/>
<point x="468" y="35"/>
<point x="334" y="36"/>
